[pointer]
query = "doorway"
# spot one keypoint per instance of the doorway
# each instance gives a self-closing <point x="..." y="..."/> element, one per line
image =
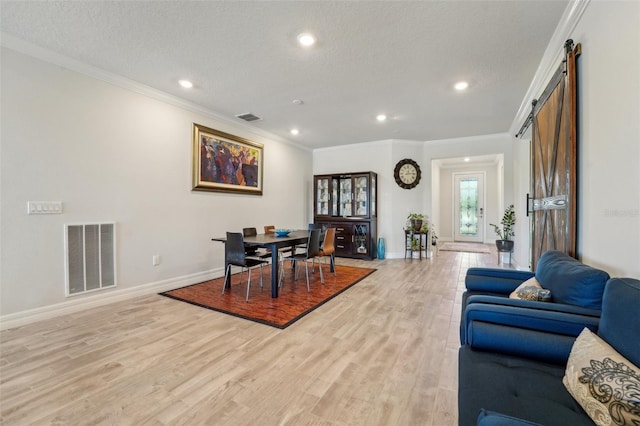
<point x="468" y="207"/>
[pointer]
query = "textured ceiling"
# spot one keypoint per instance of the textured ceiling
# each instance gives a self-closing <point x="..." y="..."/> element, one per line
<point x="398" y="58"/>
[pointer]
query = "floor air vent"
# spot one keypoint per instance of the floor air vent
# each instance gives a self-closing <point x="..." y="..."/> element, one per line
<point x="248" y="117"/>
<point x="90" y="257"/>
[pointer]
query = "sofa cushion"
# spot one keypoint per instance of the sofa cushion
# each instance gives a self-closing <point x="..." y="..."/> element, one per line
<point x="571" y="281"/>
<point x="604" y="383"/>
<point x="526" y="389"/>
<point x="490" y="418"/>
<point x="531" y="290"/>
<point x="620" y="328"/>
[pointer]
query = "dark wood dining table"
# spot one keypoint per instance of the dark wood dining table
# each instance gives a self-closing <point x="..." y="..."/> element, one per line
<point x="274" y="243"/>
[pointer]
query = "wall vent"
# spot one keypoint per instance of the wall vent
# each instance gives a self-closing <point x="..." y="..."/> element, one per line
<point x="90" y="251"/>
<point x="247" y="116"/>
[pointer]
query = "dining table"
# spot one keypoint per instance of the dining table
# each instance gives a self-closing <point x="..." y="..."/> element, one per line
<point x="274" y="243"/>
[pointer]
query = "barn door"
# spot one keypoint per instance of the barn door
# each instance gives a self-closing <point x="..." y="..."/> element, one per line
<point x="553" y="163"/>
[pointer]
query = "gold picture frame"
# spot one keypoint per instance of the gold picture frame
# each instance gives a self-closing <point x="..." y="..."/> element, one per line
<point x="226" y="163"/>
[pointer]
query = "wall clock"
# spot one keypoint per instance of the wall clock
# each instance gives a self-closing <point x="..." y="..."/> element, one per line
<point x="407" y="174"/>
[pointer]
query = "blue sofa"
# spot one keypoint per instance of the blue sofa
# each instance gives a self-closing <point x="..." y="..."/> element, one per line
<point x="492" y="321"/>
<point x="497" y="388"/>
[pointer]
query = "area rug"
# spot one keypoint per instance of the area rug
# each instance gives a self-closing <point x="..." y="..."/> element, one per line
<point x="293" y="303"/>
<point x="465" y="247"/>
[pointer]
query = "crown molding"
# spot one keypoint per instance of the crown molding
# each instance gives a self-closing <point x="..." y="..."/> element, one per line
<point x="551" y="59"/>
<point x="30" y="49"/>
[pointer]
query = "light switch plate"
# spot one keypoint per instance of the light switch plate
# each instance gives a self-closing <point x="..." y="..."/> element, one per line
<point x="44" y="207"/>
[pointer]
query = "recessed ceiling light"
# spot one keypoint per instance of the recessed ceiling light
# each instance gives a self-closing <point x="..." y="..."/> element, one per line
<point x="186" y="84"/>
<point x="467" y="159"/>
<point x="306" y="39"/>
<point x="461" y="85"/>
<point x="297" y="102"/>
<point x="381" y="117"/>
<point x="295" y="132"/>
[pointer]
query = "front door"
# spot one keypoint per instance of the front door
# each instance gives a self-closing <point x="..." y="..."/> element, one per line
<point x="469" y="207"/>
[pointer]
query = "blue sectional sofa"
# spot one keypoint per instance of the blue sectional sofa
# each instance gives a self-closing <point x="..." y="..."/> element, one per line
<point x="497" y="388"/>
<point x="494" y="322"/>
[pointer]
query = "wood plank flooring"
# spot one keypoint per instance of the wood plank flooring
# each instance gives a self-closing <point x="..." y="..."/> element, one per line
<point x="382" y="353"/>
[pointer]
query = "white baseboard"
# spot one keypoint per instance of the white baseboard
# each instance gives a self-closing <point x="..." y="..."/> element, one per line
<point x="100" y="299"/>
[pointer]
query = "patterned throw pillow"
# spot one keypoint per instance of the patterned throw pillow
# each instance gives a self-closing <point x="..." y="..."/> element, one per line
<point x="531" y="290"/>
<point x="604" y="383"/>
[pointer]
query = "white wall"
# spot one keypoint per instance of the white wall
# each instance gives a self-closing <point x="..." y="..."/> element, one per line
<point x="521" y="171"/>
<point x="110" y="154"/>
<point x="609" y="136"/>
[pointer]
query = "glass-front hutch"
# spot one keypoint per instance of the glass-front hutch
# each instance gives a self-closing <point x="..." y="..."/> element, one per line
<point x="347" y="201"/>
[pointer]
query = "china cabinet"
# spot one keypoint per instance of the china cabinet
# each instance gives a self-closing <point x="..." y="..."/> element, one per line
<point x="347" y="202"/>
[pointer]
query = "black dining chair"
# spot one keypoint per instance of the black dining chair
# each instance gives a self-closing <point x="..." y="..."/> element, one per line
<point x="235" y="255"/>
<point x="302" y="248"/>
<point x="311" y="252"/>
<point x="254" y="251"/>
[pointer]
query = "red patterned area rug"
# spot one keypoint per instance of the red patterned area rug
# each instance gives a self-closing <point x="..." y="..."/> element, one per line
<point x="293" y="302"/>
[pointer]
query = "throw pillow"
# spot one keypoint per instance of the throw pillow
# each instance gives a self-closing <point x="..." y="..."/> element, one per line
<point x="604" y="383"/>
<point x="531" y="290"/>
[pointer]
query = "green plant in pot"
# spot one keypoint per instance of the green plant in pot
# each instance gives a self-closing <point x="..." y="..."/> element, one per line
<point x="415" y="244"/>
<point x="416" y="220"/>
<point x="505" y="231"/>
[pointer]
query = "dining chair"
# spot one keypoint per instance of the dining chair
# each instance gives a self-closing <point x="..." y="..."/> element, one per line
<point x="328" y="247"/>
<point x="254" y="251"/>
<point x="312" y="251"/>
<point x="303" y="247"/>
<point x="235" y="255"/>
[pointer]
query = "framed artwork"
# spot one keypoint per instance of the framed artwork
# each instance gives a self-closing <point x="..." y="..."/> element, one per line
<point x="226" y="163"/>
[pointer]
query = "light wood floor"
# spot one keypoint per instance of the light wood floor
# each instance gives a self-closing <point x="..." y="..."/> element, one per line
<point x="382" y="353"/>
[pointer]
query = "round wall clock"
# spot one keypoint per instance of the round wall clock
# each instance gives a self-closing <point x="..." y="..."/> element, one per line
<point x="407" y="174"/>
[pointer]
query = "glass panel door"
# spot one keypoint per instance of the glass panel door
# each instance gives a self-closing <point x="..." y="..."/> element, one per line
<point x="468" y="207"/>
<point x="361" y="239"/>
<point x="322" y="196"/>
<point x="361" y="192"/>
<point x="345" y="197"/>
<point x="334" y="197"/>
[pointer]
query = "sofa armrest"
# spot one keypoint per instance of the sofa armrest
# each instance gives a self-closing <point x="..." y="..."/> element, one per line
<point x="543" y="335"/>
<point x="494" y="280"/>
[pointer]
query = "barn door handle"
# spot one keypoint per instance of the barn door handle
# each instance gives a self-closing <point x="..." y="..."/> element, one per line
<point x="529" y="199"/>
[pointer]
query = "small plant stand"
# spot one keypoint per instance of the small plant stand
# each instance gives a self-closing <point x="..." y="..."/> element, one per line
<point x="504" y="247"/>
<point x="410" y="236"/>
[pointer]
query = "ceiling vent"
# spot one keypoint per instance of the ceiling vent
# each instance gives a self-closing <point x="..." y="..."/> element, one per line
<point x="247" y="116"/>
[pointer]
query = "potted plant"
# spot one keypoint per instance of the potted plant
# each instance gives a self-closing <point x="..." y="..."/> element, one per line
<point x="434" y="235"/>
<point x="415" y="244"/>
<point x="506" y="232"/>
<point x="416" y="220"/>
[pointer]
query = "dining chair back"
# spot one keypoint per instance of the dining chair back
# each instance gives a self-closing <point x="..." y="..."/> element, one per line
<point x="328" y="247"/>
<point x="235" y="255"/>
<point x="254" y="251"/>
<point x="269" y="229"/>
<point x="313" y="243"/>
<point x="311" y="252"/>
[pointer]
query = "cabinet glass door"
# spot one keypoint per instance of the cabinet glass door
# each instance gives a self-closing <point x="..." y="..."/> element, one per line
<point x="373" y="195"/>
<point x="322" y="196"/>
<point x="361" y="239"/>
<point x="334" y="197"/>
<point x="361" y="193"/>
<point x="344" y="197"/>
